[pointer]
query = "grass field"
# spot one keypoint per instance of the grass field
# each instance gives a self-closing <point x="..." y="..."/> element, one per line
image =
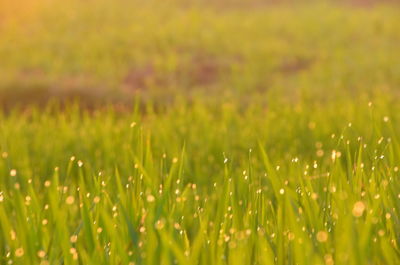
<point x="199" y="132"/>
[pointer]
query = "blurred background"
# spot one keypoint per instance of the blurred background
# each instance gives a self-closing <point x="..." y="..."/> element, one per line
<point x="119" y="51"/>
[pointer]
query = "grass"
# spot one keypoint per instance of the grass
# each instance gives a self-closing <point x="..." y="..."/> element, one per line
<point x="236" y="188"/>
<point x="251" y="139"/>
<point x="159" y="50"/>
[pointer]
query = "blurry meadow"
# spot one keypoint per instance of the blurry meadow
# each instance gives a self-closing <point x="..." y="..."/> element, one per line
<point x="199" y="132"/>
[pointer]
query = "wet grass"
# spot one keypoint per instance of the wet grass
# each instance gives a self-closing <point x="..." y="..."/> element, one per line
<point x="201" y="185"/>
<point x="204" y="133"/>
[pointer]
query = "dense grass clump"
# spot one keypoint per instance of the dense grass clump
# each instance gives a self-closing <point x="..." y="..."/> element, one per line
<point x="201" y="185"/>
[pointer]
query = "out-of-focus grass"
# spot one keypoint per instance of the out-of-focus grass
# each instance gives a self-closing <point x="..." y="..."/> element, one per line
<point x="102" y="50"/>
<point x="261" y="133"/>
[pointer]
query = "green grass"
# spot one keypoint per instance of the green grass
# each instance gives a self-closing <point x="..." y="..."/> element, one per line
<point x="197" y="185"/>
<point x="158" y="50"/>
<point x="249" y="134"/>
